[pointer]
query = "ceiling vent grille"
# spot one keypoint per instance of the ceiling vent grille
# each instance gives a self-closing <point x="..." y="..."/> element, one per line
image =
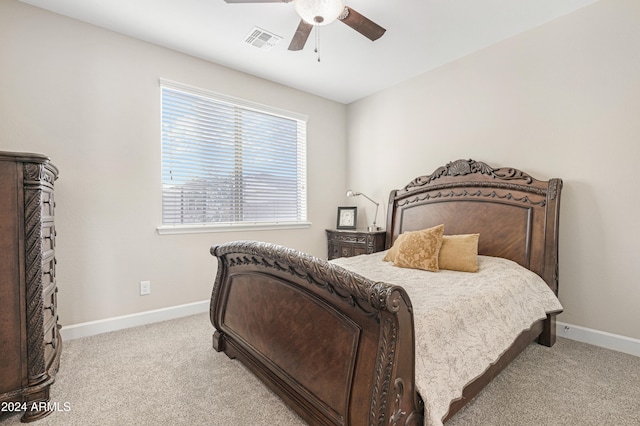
<point x="262" y="39"/>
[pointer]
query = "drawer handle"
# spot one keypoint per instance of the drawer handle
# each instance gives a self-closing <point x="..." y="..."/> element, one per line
<point x="53" y="343"/>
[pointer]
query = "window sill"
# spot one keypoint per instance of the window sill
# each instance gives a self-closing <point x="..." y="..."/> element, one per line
<point x="200" y="229"/>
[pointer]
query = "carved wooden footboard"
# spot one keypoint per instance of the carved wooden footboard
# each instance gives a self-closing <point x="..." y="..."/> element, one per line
<point x="337" y="347"/>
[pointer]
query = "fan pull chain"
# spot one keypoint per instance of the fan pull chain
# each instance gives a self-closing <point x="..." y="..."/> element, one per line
<point x="317" y="49"/>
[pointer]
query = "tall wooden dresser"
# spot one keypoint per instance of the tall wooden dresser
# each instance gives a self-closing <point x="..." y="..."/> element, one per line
<point x="30" y="341"/>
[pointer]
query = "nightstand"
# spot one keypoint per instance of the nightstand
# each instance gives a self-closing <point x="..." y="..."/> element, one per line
<point x="352" y="242"/>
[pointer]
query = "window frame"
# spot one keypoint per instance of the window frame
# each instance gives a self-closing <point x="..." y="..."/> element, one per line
<point x="165" y="229"/>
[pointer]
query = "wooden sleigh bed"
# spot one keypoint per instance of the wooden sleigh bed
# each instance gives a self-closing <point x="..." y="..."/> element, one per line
<point x="338" y="347"/>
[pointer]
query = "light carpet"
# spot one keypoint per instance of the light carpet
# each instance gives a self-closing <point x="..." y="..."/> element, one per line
<point x="168" y="374"/>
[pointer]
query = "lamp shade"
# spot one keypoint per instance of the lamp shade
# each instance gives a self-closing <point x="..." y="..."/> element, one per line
<point x="319" y="12"/>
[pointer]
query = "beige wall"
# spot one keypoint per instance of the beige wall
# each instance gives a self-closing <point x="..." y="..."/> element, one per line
<point x="562" y="100"/>
<point x="89" y="99"/>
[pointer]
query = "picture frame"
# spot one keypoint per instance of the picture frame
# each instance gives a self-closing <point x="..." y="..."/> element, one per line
<point x="347" y="217"/>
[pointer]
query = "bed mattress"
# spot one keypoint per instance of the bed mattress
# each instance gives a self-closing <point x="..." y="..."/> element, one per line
<point x="463" y="321"/>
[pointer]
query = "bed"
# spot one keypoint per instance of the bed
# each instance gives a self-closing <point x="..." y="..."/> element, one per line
<point x="340" y="348"/>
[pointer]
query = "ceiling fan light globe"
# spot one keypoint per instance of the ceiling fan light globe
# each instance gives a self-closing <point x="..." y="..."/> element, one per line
<point x="319" y="12"/>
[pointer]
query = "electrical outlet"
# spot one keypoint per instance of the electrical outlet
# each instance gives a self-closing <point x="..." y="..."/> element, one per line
<point x="145" y="287"/>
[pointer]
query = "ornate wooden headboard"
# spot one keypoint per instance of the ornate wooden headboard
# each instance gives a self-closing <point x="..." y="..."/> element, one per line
<point x="516" y="215"/>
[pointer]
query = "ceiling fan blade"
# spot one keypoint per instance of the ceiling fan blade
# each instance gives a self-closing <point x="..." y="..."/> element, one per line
<point x="301" y="36"/>
<point x="363" y="25"/>
<point x="257" y="1"/>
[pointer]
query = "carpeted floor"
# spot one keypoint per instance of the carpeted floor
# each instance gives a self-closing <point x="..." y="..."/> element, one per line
<point x="168" y="374"/>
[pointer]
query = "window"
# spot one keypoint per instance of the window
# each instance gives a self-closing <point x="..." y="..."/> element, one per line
<point x="229" y="163"/>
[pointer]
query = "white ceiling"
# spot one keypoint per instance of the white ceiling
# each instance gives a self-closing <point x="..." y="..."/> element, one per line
<point x="421" y="35"/>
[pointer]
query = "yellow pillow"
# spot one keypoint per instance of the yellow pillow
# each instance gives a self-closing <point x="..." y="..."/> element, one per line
<point x="459" y="253"/>
<point x="393" y="251"/>
<point x="420" y="249"/>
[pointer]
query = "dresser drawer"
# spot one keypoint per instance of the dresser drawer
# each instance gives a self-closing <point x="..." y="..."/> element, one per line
<point x="50" y="304"/>
<point x="51" y="343"/>
<point x="48" y="206"/>
<point x="48" y="237"/>
<point x="48" y="272"/>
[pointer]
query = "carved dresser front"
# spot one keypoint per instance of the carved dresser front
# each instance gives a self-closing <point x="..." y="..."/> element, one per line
<point x="30" y="341"/>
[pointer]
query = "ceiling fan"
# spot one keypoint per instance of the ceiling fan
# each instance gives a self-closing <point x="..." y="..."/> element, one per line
<point x="323" y="12"/>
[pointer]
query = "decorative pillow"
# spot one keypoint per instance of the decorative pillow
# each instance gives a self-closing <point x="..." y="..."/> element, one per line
<point x="420" y="249"/>
<point x="393" y="251"/>
<point x="459" y="253"/>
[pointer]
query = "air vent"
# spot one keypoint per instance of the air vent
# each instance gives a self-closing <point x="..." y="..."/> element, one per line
<point x="262" y="39"/>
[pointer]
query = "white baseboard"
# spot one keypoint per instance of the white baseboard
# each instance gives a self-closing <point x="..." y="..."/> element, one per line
<point x="574" y="332"/>
<point x="599" y="338"/>
<point x="91" y="328"/>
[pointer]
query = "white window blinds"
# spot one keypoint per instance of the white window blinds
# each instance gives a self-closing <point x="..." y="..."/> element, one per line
<point x="227" y="161"/>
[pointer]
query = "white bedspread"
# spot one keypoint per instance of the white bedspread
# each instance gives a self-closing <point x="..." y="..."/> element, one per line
<point x="463" y="321"/>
